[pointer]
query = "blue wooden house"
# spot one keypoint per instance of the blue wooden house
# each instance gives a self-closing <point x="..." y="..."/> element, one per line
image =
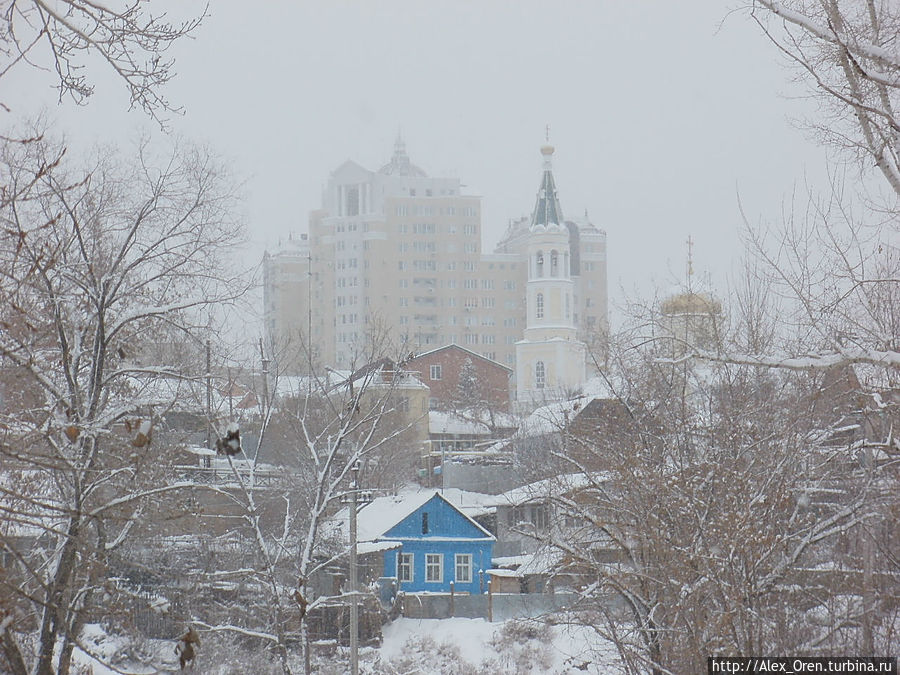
<point x="439" y="544"/>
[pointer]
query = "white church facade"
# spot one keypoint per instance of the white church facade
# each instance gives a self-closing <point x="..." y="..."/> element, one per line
<point x="550" y="358"/>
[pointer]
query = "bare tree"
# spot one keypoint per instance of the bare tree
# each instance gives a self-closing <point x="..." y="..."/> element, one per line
<point x="281" y="519"/>
<point x="848" y="53"/>
<point x="130" y="39"/>
<point x="720" y="516"/>
<point x="97" y="262"/>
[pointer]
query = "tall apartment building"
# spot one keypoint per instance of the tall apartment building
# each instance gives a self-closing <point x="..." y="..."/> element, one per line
<point x="397" y="254"/>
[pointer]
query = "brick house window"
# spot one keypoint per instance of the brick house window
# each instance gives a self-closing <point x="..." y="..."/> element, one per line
<point x="435" y="372"/>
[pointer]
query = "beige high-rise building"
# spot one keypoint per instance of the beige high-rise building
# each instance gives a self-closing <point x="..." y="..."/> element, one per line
<point x="396" y="255"/>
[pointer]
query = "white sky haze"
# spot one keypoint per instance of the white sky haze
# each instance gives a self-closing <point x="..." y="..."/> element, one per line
<point x="660" y="113"/>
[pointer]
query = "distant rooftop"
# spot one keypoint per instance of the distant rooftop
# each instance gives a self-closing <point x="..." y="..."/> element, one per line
<point x="400" y="164"/>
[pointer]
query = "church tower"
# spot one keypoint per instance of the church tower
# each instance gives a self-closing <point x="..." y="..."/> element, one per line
<point x="550" y="360"/>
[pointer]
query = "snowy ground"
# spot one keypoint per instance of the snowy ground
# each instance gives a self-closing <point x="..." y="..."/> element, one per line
<point x="410" y="647"/>
<point x="127" y="658"/>
<point x="432" y="646"/>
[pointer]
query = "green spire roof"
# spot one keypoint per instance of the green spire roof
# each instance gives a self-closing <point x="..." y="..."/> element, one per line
<point x="547" y="209"/>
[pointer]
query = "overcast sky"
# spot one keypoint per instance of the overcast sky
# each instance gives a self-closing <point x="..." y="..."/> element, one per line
<point x="661" y="113"/>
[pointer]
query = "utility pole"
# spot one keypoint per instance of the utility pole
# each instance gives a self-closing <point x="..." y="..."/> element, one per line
<point x="206" y="461"/>
<point x="265" y="375"/>
<point x="230" y="392"/>
<point x="354" y="607"/>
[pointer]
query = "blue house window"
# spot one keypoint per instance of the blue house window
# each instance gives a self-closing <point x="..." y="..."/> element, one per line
<point x="405" y="567"/>
<point x="463" y="568"/>
<point x="425" y="522"/>
<point x="434" y="567"/>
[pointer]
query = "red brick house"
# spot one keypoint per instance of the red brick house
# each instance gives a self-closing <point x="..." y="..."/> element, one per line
<point x="459" y="378"/>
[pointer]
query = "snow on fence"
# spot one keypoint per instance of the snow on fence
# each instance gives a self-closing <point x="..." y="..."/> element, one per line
<point x="490" y="606"/>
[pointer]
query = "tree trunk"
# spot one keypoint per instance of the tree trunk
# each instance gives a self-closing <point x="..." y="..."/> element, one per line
<point x="12" y="653"/>
<point x="54" y="613"/>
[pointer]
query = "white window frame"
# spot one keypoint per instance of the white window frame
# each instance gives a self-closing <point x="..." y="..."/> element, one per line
<point x="430" y="565"/>
<point x="436" y="371"/>
<point x="463" y="561"/>
<point x="410" y="565"/>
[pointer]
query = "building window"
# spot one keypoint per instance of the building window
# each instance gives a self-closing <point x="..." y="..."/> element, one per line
<point x="404" y="567"/>
<point x="425" y="522"/>
<point x="463" y="568"/>
<point x="435" y="372"/>
<point x="539" y="310"/>
<point x="554" y="264"/>
<point x="540" y="375"/>
<point x="539" y="264"/>
<point x="434" y="567"/>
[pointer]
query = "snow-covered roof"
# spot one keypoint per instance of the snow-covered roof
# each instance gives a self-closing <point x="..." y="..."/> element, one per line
<point x="543" y="561"/>
<point x="503" y="573"/>
<point x="597" y="387"/>
<point x="382" y="513"/>
<point x="470" y="422"/>
<point x="549" y="487"/>
<point x="511" y="561"/>
<point x="365" y="547"/>
<point x="451" y="423"/>
<point x="299" y="385"/>
<point x="472" y="504"/>
<point x="555" y="417"/>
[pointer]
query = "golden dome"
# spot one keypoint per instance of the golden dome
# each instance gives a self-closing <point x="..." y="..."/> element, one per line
<point x="690" y="303"/>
